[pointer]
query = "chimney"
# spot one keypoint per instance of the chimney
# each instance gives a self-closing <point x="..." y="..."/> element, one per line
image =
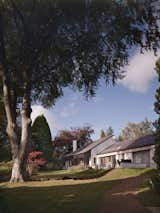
<point x="74" y="145"/>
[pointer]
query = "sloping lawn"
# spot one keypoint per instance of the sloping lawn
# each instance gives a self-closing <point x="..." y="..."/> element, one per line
<point x="80" y="174"/>
<point x="60" y="196"/>
<point x="148" y="195"/>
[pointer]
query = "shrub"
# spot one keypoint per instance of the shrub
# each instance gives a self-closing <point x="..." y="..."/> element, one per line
<point x="35" y="161"/>
<point x="155" y="183"/>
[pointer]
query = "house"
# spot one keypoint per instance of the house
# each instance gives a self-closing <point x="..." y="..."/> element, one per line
<point x="87" y="155"/>
<point x="138" y="153"/>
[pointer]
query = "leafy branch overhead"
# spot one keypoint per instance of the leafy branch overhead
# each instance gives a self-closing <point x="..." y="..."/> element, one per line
<point x="60" y="42"/>
<point x="48" y="45"/>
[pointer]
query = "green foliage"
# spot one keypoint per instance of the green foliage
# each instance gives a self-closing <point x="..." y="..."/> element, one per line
<point x="81" y="134"/>
<point x="41" y="137"/>
<point x="157" y="123"/>
<point x="155" y="182"/>
<point x="82" y="174"/>
<point x="72" y="43"/>
<point x="48" y="45"/>
<point x="133" y="131"/>
<point x="109" y="131"/>
<point x="102" y="134"/>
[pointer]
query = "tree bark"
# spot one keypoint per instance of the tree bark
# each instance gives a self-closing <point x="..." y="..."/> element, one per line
<point x="19" y="150"/>
<point x="12" y="133"/>
<point x="9" y="108"/>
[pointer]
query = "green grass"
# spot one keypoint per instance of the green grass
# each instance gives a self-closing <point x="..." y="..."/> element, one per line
<point x="79" y="198"/>
<point x="5" y="169"/>
<point x="5" y="166"/>
<point x="149" y="197"/>
<point x="147" y="194"/>
<point x="80" y="174"/>
<point x="61" y="196"/>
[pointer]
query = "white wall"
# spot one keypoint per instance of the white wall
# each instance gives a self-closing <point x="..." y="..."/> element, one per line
<point x="128" y="155"/>
<point x="99" y="148"/>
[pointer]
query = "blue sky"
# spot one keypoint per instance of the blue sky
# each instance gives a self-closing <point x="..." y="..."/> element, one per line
<point x="131" y="100"/>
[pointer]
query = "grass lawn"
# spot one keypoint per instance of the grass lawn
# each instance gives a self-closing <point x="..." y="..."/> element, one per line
<point x="148" y="196"/>
<point x="61" y="196"/>
<point x="80" y="174"/>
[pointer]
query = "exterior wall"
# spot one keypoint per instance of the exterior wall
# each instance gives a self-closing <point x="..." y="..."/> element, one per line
<point x="139" y="157"/>
<point x="142" y="157"/>
<point x="132" y="165"/>
<point x="81" y="160"/>
<point x="107" y="162"/>
<point x="99" y="148"/>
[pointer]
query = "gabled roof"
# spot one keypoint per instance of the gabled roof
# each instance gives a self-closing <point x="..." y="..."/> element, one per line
<point x="91" y="145"/>
<point x="144" y="141"/>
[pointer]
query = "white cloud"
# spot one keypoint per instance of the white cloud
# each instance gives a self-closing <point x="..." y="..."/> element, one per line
<point x="40" y="110"/>
<point x="140" y="72"/>
<point x="69" y="110"/>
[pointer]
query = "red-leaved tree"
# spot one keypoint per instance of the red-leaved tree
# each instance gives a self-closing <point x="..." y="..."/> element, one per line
<point x="35" y="160"/>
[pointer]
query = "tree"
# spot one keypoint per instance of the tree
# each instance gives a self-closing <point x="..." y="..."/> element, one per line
<point x="81" y="134"/>
<point x="135" y="130"/>
<point x="102" y="134"/>
<point x="4" y="144"/>
<point x="157" y="123"/>
<point x="63" y="142"/>
<point x="48" y="45"/>
<point x="35" y="160"/>
<point x="109" y="131"/>
<point x="41" y="137"/>
<point x="3" y="121"/>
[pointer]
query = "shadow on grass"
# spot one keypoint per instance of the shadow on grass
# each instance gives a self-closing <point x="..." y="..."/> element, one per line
<point x="5" y="176"/>
<point x="81" y="175"/>
<point x="78" y="197"/>
<point x="149" y="197"/>
<point x="75" y="175"/>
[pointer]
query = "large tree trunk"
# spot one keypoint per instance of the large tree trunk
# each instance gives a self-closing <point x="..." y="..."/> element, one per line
<point x="12" y="132"/>
<point x="18" y="149"/>
<point x="12" y="135"/>
<point x="19" y="172"/>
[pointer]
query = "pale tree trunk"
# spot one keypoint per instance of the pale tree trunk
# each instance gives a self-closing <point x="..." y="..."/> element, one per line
<point x="10" y="109"/>
<point x="11" y="131"/>
<point x="19" y="150"/>
<point x="19" y="172"/>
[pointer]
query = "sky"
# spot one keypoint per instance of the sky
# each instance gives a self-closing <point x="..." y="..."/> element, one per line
<point x="130" y="100"/>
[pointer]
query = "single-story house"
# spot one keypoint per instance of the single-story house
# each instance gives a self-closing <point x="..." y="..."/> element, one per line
<point x="87" y="155"/>
<point x="138" y="153"/>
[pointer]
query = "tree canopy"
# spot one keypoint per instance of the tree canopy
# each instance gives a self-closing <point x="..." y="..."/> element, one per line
<point x="157" y="123"/>
<point x="81" y="134"/>
<point x="102" y="135"/>
<point x="41" y="137"/>
<point x="133" y="131"/>
<point x="48" y="45"/>
<point x="61" y="43"/>
<point x="109" y="131"/>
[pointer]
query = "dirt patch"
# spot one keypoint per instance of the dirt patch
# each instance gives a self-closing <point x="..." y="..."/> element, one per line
<point x="122" y="198"/>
